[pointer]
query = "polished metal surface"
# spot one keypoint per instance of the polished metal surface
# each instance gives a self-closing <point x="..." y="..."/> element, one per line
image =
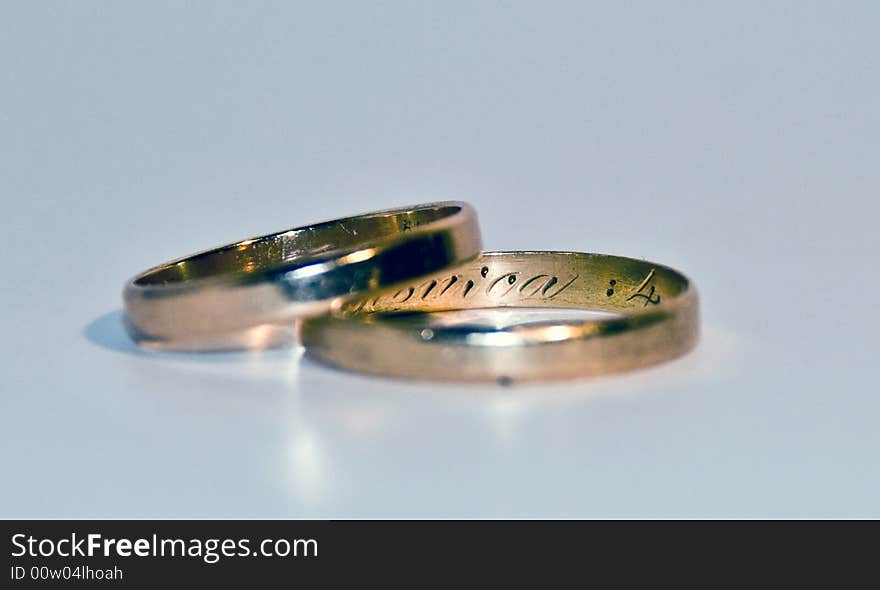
<point x="655" y="319"/>
<point x="248" y="294"/>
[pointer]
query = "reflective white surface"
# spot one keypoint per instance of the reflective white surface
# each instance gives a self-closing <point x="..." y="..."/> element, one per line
<point x="736" y="142"/>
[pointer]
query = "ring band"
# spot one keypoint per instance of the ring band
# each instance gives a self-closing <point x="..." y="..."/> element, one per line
<point x="656" y="319"/>
<point x="245" y="295"/>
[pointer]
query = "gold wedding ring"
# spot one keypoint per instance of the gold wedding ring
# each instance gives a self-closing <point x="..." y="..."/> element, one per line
<point x="361" y="293"/>
<point x="655" y="319"/>
<point x="248" y="294"/>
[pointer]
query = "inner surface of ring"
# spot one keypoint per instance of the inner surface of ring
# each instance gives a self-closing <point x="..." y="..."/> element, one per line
<point x="302" y="245"/>
<point x="534" y="279"/>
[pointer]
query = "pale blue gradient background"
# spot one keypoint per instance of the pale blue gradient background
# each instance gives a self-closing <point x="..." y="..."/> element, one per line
<point x="738" y="141"/>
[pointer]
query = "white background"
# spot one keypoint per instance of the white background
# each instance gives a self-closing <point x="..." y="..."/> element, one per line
<point x="736" y="141"/>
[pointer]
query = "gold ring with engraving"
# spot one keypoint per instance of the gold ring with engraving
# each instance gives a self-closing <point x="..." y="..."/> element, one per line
<point x="248" y="294"/>
<point x="653" y="317"/>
